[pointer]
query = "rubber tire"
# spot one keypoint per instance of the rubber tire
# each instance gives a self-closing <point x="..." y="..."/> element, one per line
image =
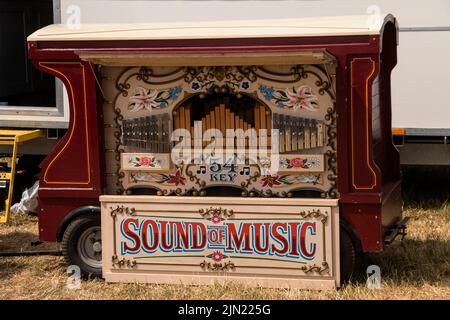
<point x="348" y="257"/>
<point x="69" y="245"/>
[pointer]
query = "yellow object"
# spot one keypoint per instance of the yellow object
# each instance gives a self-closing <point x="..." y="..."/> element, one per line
<point x="398" y="131"/>
<point x="14" y="138"/>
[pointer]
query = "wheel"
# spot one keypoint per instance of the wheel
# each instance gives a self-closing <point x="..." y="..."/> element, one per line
<point x="347" y="257"/>
<point x="82" y="245"/>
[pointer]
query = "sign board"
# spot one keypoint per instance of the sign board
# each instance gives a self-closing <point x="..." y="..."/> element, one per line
<point x="191" y="240"/>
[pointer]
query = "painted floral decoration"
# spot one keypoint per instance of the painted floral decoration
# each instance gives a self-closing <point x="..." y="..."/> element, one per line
<point x="295" y="98"/>
<point x="171" y="178"/>
<point x="144" y="161"/>
<point x="152" y="98"/>
<point x="270" y="181"/>
<point x="216" y="219"/>
<point x="267" y="92"/>
<point x="176" y="178"/>
<point x="275" y="180"/>
<point x="296" y="163"/>
<point x="217" y="256"/>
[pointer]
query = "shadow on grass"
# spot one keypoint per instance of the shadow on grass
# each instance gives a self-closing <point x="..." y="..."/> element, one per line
<point x="412" y="261"/>
<point x="9" y="267"/>
<point x="426" y="187"/>
<point x="16" y="241"/>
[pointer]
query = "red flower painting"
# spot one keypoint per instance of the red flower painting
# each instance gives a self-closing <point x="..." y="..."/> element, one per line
<point x="177" y="178"/>
<point x="217" y="256"/>
<point x="216" y="219"/>
<point x="270" y="181"/>
<point x="297" y="163"/>
<point x="145" y="161"/>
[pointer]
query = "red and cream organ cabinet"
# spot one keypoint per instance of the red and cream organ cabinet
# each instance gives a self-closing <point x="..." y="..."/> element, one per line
<point x="257" y="151"/>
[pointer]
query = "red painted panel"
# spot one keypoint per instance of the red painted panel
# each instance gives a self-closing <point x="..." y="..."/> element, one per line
<point x="366" y="220"/>
<point x="364" y="175"/>
<point x="74" y="163"/>
<point x="52" y="212"/>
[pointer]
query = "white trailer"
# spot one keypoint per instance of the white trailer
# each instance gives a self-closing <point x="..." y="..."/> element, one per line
<point x="420" y="94"/>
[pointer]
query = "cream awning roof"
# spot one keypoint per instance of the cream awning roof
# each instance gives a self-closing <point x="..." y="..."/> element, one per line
<point x="304" y="27"/>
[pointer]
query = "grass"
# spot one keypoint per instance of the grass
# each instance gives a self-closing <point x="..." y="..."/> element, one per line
<point x="417" y="268"/>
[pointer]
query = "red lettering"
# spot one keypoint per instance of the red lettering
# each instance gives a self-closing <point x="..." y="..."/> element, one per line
<point x="153" y="234"/>
<point x="257" y="237"/>
<point x="131" y="234"/>
<point x="198" y="235"/>
<point x="235" y="240"/>
<point x="182" y="236"/>
<point x="278" y="236"/>
<point x="294" y="234"/>
<point x="303" y="249"/>
<point x="166" y="236"/>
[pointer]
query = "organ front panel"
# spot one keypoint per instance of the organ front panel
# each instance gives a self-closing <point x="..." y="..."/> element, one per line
<point x="289" y="110"/>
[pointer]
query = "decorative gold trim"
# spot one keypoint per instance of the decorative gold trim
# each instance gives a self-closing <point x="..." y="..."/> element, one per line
<point x="214" y="266"/>
<point x="367" y="124"/>
<point x="218" y="213"/>
<point x="122" y="210"/>
<point x="315" y="214"/>
<point x="123" y="262"/>
<point x="314" y="268"/>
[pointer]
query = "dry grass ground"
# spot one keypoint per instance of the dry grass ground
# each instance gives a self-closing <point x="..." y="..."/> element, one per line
<point x="417" y="268"/>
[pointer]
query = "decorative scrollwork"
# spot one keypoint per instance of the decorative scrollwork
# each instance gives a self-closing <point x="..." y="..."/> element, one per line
<point x="215" y="266"/>
<point x="144" y="74"/>
<point x="122" y="210"/>
<point x="216" y="215"/>
<point x="193" y="177"/>
<point x="215" y="79"/>
<point x="251" y="179"/>
<point x="314" y="268"/>
<point x="123" y="262"/>
<point x="315" y="214"/>
<point x="330" y="117"/>
<point x="332" y="177"/>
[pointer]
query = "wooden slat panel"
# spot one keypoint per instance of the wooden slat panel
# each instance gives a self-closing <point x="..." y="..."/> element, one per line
<point x="320" y="134"/>
<point x="262" y="117"/>
<point x="232" y="122"/>
<point x="236" y="122"/>
<point x="282" y="133"/>
<point x="176" y="119"/>
<point x="288" y="132"/>
<point x="294" y="126"/>
<point x="208" y="122"/>
<point x="269" y="130"/>
<point x="217" y="117"/>
<point x="165" y="132"/>
<point x="307" y="133"/>
<point x="182" y="118"/>
<point x="313" y="126"/>
<point x="213" y="119"/>
<point x="160" y="134"/>
<point x="222" y="119"/>
<point x="256" y="118"/>
<point x="187" y="117"/>
<point x="227" y="118"/>
<point x="301" y="135"/>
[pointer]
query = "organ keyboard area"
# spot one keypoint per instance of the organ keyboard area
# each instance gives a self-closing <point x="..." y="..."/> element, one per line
<point x="152" y="133"/>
